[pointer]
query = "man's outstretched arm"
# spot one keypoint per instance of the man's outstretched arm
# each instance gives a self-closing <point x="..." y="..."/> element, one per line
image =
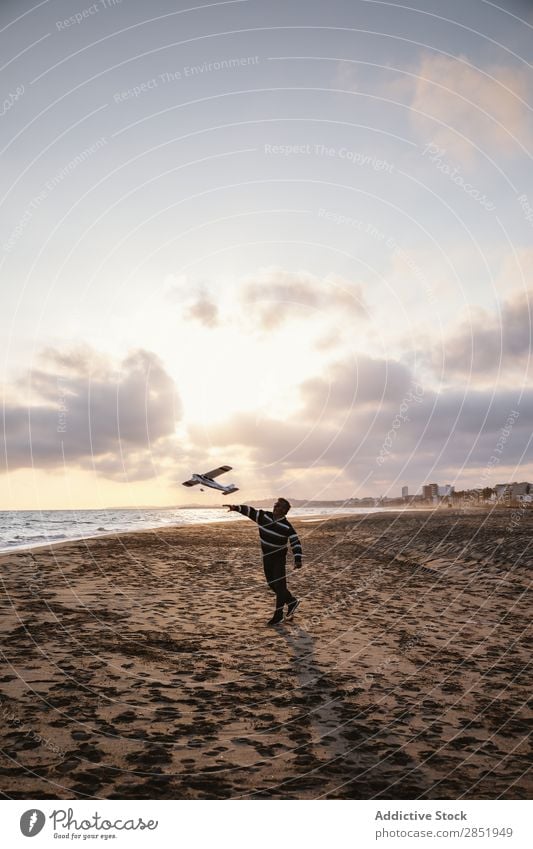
<point x="249" y="512"/>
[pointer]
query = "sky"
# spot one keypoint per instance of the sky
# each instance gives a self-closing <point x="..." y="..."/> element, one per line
<point x="295" y="238"/>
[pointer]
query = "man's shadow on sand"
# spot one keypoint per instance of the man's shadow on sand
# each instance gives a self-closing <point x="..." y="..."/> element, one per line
<point x="320" y="691"/>
<point x="301" y="646"/>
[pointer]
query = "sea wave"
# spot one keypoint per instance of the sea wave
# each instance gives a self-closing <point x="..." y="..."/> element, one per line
<point x="28" y="529"/>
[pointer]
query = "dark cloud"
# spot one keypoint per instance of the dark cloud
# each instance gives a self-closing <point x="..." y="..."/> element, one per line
<point x="361" y="381"/>
<point x="331" y="404"/>
<point x="411" y="434"/>
<point x="489" y="343"/>
<point x="93" y="415"/>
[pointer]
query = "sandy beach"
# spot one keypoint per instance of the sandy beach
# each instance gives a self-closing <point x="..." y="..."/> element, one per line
<point x="139" y="666"/>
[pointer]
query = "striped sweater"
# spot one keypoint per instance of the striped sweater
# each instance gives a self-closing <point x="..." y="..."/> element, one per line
<point x="274" y="535"/>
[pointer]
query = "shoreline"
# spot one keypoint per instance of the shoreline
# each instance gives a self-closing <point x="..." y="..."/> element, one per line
<point x="485" y="510"/>
<point x="171" y="525"/>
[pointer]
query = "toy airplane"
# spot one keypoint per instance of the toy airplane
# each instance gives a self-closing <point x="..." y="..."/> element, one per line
<point x="207" y="480"/>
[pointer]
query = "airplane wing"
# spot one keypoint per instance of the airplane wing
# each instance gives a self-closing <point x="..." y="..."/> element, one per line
<point x="189" y="483"/>
<point x="216" y="472"/>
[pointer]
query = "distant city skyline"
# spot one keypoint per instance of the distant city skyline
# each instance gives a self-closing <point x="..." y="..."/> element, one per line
<point x="291" y="237"/>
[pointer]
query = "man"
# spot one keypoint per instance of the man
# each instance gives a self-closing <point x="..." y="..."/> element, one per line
<point x="274" y="532"/>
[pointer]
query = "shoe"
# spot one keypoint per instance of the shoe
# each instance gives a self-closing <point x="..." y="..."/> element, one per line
<point x="277" y="619"/>
<point x="292" y="608"/>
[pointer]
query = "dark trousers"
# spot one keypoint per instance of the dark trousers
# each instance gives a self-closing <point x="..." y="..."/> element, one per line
<point x="274" y="566"/>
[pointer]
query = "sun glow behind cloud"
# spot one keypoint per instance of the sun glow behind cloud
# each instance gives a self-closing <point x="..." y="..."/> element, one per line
<point x="264" y="344"/>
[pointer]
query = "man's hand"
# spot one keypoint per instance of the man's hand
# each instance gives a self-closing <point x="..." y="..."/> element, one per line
<point x="298" y="565"/>
<point x="230" y="507"/>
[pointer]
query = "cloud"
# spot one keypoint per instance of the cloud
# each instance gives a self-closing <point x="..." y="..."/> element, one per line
<point x="90" y="413"/>
<point x="350" y="384"/>
<point x="427" y="434"/>
<point x="469" y="107"/>
<point x="274" y="295"/>
<point x="193" y="297"/>
<point x="204" y="310"/>
<point x="336" y="413"/>
<point x="489" y="343"/>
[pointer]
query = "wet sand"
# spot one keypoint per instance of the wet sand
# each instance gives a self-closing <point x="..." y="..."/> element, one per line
<point x="139" y="666"/>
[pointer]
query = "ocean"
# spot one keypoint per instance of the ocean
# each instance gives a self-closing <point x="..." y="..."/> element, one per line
<point x="27" y="529"/>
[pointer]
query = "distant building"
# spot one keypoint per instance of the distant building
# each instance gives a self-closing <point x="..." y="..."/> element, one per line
<point x="445" y="491"/>
<point x="405" y="492"/>
<point x="508" y="492"/>
<point x="520" y="491"/>
<point x="430" y="491"/>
